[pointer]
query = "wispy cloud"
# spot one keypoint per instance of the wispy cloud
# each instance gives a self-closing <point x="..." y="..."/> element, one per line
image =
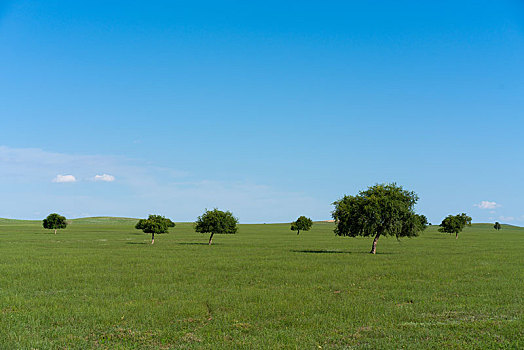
<point x="64" y="178"/>
<point x="104" y="177"/>
<point x="506" y="218"/>
<point x="487" y="205"/>
<point x="143" y="189"/>
<point x="34" y="165"/>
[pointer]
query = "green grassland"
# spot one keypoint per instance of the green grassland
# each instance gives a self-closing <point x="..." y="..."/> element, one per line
<point x="100" y="284"/>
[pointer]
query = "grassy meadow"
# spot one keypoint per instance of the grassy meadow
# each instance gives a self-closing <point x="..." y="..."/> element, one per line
<point x="101" y="284"/>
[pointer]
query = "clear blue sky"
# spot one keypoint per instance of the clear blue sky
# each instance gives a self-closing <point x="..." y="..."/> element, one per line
<point x="271" y="109"/>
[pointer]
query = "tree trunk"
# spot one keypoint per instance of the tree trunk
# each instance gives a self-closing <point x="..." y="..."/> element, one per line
<point x="374" y="246"/>
<point x="298" y="231"/>
<point x="55" y="231"/>
<point x="456" y="235"/>
<point x="152" y="238"/>
<point x="211" y="238"/>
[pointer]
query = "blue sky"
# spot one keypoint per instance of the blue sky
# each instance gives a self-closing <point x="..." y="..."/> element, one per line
<point x="270" y="109"/>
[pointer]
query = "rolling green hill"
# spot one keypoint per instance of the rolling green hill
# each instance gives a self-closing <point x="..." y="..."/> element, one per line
<point x="104" y="220"/>
<point x="4" y="221"/>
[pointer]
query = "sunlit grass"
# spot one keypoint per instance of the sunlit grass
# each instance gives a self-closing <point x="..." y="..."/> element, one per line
<point x="99" y="283"/>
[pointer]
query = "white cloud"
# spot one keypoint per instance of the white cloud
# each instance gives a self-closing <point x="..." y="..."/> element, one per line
<point x="487" y="205"/>
<point x="64" y="178"/>
<point x="104" y="177"/>
<point x="34" y="165"/>
<point x="144" y="189"/>
<point x="506" y="218"/>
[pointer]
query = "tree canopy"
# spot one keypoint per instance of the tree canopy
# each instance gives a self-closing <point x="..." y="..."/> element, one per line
<point x="381" y="210"/>
<point x="54" y="222"/>
<point x="302" y="223"/>
<point x="497" y="226"/>
<point x="154" y="224"/>
<point x="216" y="222"/>
<point x="455" y="223"/>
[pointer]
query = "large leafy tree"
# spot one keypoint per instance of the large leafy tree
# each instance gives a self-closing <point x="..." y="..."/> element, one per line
<point x="154" y="224"/>
<point x="302" y="223"/>
<point x="454" y="224"/>
<point x="381" y="210"/>
<point x="497" y="226"/>
<point x="216" y="222"/>
<point x="54" y="222"/>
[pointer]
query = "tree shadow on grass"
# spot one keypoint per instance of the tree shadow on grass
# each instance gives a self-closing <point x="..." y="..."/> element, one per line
<point x="197" y="243"/>
<point x="137" y="243"/>
<point x="377" y="253"/>
<point x="318" y="251"/>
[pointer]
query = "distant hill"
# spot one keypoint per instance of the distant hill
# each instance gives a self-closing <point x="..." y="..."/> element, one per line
<point x="104" y="220"/>
<point x="490" y="225"/>
<point x="4" y="221"/>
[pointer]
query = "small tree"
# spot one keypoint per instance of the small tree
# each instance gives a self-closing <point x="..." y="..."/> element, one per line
<point x="302" y="223"/>
<point x="381" y="210"/>
<point x="154" y="224"/>
<point x="216" y="222"/>
<point x="54" y="222"/>
<point x="454" y="224"/>
<point x="497" y="226"/>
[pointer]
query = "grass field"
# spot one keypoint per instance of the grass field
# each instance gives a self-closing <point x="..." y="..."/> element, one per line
<point x="100" y="284"/>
